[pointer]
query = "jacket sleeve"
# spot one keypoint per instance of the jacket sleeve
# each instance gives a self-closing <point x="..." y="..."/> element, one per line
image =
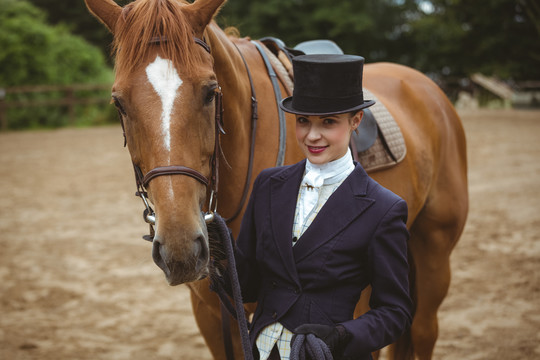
<point x="390" y="304"/>
<point x="245" y="250"/>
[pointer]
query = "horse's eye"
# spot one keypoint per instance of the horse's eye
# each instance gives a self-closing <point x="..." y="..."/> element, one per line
<point x="210" y="95"/>
<point x="119" y="106"/>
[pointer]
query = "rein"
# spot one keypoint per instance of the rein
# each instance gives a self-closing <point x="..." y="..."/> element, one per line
<point x="254" y="120"/>
<point x="236" y="310"/>
<point x="211" y="216"/>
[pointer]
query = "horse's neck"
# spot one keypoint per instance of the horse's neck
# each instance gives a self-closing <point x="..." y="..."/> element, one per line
<point x="228" y="62"/>
<point x="232" y="77"/>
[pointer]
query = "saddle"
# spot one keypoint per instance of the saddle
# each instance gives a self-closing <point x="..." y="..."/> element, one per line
<point x="379" y="143"/>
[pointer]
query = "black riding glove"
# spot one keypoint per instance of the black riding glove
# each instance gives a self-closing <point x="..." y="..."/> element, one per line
<point x="335" y="337"/>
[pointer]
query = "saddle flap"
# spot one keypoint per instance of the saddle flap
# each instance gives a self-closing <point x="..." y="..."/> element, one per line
<point x="365" y="137"/>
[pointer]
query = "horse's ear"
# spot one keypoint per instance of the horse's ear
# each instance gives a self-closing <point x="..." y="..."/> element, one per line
<point x="107" y="11"/>
<point x="201" y="13"/>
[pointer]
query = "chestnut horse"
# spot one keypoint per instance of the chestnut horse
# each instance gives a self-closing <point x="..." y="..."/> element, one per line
<point x="171" y="60"/>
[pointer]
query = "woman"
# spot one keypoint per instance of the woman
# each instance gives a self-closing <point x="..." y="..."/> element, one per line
<point x="317" y="233"/>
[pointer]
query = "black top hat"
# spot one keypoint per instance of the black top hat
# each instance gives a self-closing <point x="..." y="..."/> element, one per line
<point x="326" y="84"/>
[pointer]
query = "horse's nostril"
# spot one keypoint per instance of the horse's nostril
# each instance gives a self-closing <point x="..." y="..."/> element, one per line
<point x="201" y="253"/>
<point x="159" y="258"/>
<point x="190" y="264"/>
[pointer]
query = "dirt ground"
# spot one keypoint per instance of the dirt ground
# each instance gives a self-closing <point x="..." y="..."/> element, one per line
<point x="78" y="282"/>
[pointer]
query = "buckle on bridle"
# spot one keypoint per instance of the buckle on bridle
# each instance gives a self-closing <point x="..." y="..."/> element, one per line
<point x="149" y="215"/>
<point x="209" y="215"/>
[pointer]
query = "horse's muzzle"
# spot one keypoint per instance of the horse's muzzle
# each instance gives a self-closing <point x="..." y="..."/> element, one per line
<point x="192" y="266"/>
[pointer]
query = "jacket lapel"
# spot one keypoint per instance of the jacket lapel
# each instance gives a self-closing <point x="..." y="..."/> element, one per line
<point x="343" y="206"/>
<point x="284" y="192"/>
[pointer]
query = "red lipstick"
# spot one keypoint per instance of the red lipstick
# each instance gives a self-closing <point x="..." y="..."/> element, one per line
<point x="316" y="149"/>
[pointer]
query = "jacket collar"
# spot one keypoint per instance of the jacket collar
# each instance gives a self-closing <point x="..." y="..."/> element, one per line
<point x="345" y="205"/>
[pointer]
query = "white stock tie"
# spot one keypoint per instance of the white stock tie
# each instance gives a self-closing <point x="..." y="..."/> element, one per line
<point x="318" y="175"/>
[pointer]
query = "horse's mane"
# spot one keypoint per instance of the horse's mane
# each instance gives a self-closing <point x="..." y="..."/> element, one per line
<point x="148" y="20"/>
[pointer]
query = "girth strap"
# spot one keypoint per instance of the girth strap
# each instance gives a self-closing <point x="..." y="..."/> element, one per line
<point x="277" y="93"/>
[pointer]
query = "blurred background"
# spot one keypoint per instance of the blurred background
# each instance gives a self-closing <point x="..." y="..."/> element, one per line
<point x="55" y="63"/>
<point x="78" y="282"/>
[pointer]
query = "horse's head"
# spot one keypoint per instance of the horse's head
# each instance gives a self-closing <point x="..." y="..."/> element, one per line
<point x="165" y="90"/>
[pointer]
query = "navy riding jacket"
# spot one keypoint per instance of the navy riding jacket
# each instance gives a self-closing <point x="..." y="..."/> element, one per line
<point x="358" y="238"/>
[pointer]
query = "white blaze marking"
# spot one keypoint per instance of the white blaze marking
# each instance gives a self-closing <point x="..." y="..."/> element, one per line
<point x="165" y="80"/>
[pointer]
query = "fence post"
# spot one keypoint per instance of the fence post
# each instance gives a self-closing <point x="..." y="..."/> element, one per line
<point x="3" y="117"/>
<point x="70" y="97"/>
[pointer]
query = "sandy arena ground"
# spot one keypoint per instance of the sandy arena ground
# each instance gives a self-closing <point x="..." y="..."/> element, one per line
<point x="78" y="282"/>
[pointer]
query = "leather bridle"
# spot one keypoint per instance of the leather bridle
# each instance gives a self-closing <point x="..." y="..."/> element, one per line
<point x="142" y="180"/>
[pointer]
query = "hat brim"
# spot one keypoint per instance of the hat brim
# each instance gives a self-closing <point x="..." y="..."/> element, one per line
<point x="286" y="105"/>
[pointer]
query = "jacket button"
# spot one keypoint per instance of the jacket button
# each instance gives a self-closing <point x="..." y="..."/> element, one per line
<point x="296" y="291"/>
<point x="274" y="315"/>
<point x="274" y="284"/>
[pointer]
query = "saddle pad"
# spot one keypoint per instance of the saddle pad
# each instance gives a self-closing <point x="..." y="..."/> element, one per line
<point x="280" y="64"/>
<point x="389" y="148"/>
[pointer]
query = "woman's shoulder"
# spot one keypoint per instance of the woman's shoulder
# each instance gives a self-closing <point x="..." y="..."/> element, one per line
<point x="385" y="201"/>
<point x="375" y="190"/>
<point x="280" y="172"/>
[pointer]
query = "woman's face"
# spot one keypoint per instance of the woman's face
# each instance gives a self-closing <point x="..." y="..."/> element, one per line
<point x="325" y="138"/>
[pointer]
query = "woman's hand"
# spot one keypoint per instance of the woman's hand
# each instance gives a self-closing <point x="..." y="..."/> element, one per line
<point x="335" y="337"/>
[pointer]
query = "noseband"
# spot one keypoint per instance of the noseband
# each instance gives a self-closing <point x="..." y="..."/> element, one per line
<point x="142" y="181"/>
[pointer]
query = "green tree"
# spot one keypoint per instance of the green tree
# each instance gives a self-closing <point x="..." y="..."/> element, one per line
<point x="78" y="20"/>
<point x="448" y="39"/>
<point x="445" y="38"/>
<point x="459" y="38"/>
<point x="370" y="28"/>
<point x="33" y="52"/>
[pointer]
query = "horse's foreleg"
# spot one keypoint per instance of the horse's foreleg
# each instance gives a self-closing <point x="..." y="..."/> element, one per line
<point x="207" y="312"/>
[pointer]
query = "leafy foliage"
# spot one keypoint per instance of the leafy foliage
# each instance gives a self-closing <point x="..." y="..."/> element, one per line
<point x="34" y="52"/>
<point x="79" y="21"/>
<point x="452" y="38"/>
<point x="370" y="28"/>
<point x="447" y="39"/>
<point x="495" y="37"/>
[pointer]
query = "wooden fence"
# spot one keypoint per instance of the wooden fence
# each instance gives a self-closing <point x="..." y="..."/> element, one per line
<point x="70" y="98"/>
